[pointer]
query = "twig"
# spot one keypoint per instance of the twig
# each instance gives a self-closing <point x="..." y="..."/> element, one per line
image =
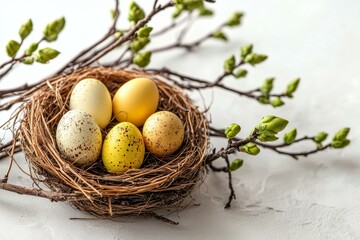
<point x="53" y="196"/>
<point x="171" y="26"/>
<point x="232" y="192"/>
<point x="128" y="36"/>
<point x="160" y="218"/>
<point x="276" y="147"/>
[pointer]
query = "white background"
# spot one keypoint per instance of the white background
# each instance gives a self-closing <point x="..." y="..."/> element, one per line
<point x="277" y="197"/>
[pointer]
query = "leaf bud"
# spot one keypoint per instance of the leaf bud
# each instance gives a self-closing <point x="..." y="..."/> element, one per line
<point x="232" y="130"/>
<point x="142" y="59"/>
<point x="236" y="164"/>
<point x="250" y="148"/>
<point x="229" y="64"/>
<point x="290" y="136"/>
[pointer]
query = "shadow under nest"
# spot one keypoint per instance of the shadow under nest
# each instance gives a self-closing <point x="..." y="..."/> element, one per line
<point x="160" y="183"/>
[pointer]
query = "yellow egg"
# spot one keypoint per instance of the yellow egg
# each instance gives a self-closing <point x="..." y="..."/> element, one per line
<point x="92" y="96"/>
<point x="135" y="101"/>
<point x="163" y="133"/>
<point x="123" y="148"/>
<point x="78" y="137"/>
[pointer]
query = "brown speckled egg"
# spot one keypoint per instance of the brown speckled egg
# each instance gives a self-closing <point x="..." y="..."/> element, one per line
<point x="78" y="137"/>
<point x="123" y="148"/>
<point x="163" y="133"/>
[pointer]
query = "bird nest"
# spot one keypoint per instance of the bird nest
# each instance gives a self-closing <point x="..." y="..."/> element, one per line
<point x="161" y="182"/>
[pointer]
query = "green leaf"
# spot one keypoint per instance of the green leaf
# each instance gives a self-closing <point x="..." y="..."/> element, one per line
<point x="267" y="85"/>
<point x="12" y="48"/>
<point x="341" y="134"/>
<point x="240" y="73"/>
<point x="136" y="13"/>
<point x="220" y="35"/>
<point x="339" y="139"/>
<point x="232" y="130"/>
<point x="273" y="123"/>
<point x="142" y="59"/>
<point x="33" y="47"/>
<point x="25" y="29"/>
<point x="189" y="5"/>
<point x="144" y="32"/>
<point x="290" y="136"/>
<point x="53" y="29"/>
<point x="139" y="44"/>
<point x="205" y="12"/>
<point x="320" y="137"/>
<point x="246" y="50"/>
<point x="269" y="126"/>
<point x="263" y="99"/>
<point x="267" y="137"/>
<point x="291" y="87"/>
<point x="235" y="19"/>
<point x="177" y="13"/>
<point x="254" y="58"/>
<point x="229" y="64"/>
<point x="250" y="148"/>
<point x="236" y="164"/>
<point x="46" y="54"/>
<point x="277" y="102"/>
<point x="340" y="144"/>
<point x="28" y="60"/>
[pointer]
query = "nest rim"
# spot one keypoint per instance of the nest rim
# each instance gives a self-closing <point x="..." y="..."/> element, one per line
<point x="164" y="183"/>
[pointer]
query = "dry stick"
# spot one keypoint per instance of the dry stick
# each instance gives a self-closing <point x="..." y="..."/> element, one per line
<point x="206" y="84"/>
<point x="171" y="26"/>
<point x="187" y="46"/>
<point x="232" y="192"/>
<point x="232" y="147"/>
<point x="128" y="36"/>
<point x="53" y="196"/>
<point x="118" y="61"/>
<point x="110" y="32"/>
<point x="186" y="29"/>
<point x="160" y="218"/>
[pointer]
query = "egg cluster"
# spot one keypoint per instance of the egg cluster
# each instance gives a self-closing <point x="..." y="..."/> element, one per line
<point x="140" y="127"/>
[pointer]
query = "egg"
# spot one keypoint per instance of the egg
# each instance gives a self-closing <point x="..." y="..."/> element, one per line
<point x="135" y="101"/>
<point x="163" y="133"/>
<point x="123" y="148"/>
<point x="92" y="96"/>
<point x="78" y="137"/>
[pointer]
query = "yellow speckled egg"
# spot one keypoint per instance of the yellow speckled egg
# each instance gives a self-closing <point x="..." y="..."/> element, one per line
<point x="78" y="137"/>
<point x="163" y="133"/>
<point x="135" y="101"/>
<point x="92" y="96"/>
<point x="123" y="148"/>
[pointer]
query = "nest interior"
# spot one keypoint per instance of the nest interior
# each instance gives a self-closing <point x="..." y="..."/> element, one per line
<point x="161" y="183"/>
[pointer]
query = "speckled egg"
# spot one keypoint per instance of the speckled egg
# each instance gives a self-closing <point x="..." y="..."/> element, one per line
<point x="163" y="133"/>
<point x="123" y="148"/>
<point x="78" y="137"/>
<point x="135" y="101"/>
<point x="92" y="96"/>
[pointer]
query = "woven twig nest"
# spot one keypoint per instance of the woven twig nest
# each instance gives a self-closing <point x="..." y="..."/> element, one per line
<point x="161" y="183"/>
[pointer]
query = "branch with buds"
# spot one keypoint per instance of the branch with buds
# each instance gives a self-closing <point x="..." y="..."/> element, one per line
<point x="133" y="48"/>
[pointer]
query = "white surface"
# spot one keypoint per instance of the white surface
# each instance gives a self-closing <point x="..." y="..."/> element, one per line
<point x="277" y="198"/>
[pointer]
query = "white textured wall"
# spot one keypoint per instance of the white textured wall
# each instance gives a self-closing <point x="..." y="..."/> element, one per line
<point x="277" y="197"/>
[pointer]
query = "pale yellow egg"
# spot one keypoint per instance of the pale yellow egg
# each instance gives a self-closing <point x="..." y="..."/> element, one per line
<point x="135" y="101"/>
<point x="123" y="148"/>
<point x="92" y="96"/>
<point x="163" y="133"/>
<point x="78" y="137"/>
